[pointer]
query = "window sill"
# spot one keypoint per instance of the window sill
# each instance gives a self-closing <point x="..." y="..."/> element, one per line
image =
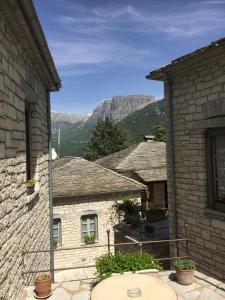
<point x="215" y="214"/>
<point x="89" y="245"/>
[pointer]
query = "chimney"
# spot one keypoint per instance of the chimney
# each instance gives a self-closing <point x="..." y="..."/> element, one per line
<point x="149" y="138"/>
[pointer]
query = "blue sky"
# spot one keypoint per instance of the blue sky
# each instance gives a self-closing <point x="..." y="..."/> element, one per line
<point x="106" y="47"/>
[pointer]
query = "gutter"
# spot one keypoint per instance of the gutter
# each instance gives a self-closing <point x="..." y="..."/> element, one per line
<point x="172" y="157"/>
<point x="50" y="186"/>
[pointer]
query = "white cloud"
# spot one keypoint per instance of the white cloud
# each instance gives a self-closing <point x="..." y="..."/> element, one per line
<point x="186" y="21"/>
<point x="93" y="37"/>
<point x="86" y="57"/>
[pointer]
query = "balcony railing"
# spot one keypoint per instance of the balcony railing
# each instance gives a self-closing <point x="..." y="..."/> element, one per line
<point x="109" y="247"/>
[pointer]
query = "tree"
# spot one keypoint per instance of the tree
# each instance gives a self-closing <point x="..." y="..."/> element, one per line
<point x="159" y="132"/>
<point x="106" y="138"/>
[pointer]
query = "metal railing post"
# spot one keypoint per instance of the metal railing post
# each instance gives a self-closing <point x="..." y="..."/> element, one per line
<point x="141" y="248"/>
<point x="187" y="241"/>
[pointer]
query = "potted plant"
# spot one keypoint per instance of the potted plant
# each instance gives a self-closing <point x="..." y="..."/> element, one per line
<point x="30" y="183"/>
<point x="55" y="244"/>
<point x="43" y="285"/>
<point x="89" y="239"/>
<point x="185" y="271"/>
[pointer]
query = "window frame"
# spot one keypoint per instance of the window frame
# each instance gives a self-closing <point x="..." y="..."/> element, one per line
<point x="88" y="216"/>
<point x="59" y="227"/>
<point x="211" y="167"/>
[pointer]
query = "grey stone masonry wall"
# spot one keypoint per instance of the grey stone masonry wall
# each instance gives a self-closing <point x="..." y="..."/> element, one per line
<point x="24" y="219"/>
<point x="202" y="84"/>
<point x="70" y="211"/>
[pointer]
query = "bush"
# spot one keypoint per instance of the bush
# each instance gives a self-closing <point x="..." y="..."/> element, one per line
<point x="121" y="210"/>
<point x="184" y="264"/>
<point x="120" y="263"/>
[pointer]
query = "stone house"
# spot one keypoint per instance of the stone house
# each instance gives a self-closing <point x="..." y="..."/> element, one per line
<point x="195" y="105"/>
<point x="27" y="76"/>
<point x="83" y="195"/>
<point x="146" y="163"/>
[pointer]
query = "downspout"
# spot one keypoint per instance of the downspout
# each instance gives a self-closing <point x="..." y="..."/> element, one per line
<point x="50" y="187"/>
<point x="172" y="158"/>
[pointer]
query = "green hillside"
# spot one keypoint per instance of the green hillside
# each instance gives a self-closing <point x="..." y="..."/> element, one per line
<point x="141" y="122"/>
<point x="137" y="125"/>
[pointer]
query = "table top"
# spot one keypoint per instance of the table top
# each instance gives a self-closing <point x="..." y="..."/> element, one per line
<point x="136" y="286"/>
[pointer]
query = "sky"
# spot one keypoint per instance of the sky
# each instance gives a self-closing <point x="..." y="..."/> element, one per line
<point x="103" y="48"/>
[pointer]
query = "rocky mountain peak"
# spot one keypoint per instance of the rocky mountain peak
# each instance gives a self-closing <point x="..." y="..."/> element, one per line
<point x="119" y="107"/>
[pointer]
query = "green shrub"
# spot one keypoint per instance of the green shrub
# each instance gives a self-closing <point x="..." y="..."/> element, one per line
<point x="88" y="238"/>
<point x="120" y="263"/>
<point x="184" y="264"/>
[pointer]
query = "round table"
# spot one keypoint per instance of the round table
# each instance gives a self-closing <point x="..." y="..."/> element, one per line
<point x="133" y="286"/>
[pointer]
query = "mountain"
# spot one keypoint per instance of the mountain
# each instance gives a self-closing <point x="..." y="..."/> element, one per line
<point x="142" y="122"/>
<point x="120" y="107"/>
<point x="137" y="124"/>
<point x="63" y="120"/>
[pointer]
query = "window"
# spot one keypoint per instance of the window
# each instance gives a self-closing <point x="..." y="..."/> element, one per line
<point x="28" y="142"/>
<point x="57" y="237"/>
<point x="89" y="226"/>
<point x="216" y="168"/>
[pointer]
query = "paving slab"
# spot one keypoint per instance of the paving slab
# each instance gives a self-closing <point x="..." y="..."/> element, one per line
<point x="82" y="296"/>
<point x="203" y="288"/>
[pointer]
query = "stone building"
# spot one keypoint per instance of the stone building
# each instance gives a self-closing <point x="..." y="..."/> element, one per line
<point x="27" y="76"/>
<point x="83" y="195"/>
<point x="146" y="163"/>
<point x="195" y="99"/>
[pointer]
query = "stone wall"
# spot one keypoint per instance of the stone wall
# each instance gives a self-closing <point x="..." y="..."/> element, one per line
<point x="24" y="222"/>
<point x="201" y="84"/>
<point x="70" y="212"/>
<point x="158" y="199"/>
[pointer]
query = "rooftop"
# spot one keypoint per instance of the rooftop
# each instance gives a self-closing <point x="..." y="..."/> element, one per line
<point x="190" y="58"/>
<point x="79" y="177"/>
<point x="147" y="158"/>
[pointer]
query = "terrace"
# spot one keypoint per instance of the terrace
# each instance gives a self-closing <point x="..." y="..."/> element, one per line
<point x="76" y="283"/>
<point x="203" y="288"/>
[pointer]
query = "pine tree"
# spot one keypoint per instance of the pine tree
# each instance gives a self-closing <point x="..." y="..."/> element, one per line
<point x="106" y="138"/>
<point x="159" y="132"/>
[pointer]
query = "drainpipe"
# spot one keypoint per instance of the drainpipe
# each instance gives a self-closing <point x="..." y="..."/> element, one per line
<point x="172" y="157"/>
<point x="50" y="187"/>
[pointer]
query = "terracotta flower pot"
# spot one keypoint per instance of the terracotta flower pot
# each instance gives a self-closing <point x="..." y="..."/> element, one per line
<point x="185" y="277"/>
<point x="43" y="286"/>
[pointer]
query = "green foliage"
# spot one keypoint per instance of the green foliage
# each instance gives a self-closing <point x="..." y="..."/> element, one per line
<point x="120" y="263"/>
<point x="31" y="181"/>
<point x="125" y="207"/>
<point x="54" y="243"/>
<point x="88" y="238"/>
<point x="159" y="132"/>
<point x="184" y="264"/>
<point x="106" y="139"/>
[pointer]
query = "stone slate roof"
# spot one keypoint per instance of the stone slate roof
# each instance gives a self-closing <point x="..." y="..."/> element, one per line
<point x="143" y="156"/>
<point x="61" y="162"/>
<point x="155" y="174"/>
<point x="159" y="73"/>
<point x="73" y="177"/>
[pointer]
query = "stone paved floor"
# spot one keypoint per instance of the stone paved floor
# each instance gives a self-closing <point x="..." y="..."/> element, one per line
<point x="203" y="288"/>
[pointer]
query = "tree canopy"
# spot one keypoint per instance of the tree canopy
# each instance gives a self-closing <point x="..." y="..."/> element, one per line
<point x="106" y="138"/>
<point x="159" y="132"/>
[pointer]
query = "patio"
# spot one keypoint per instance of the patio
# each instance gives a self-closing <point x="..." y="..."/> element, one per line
<point x="203" y="288"/>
